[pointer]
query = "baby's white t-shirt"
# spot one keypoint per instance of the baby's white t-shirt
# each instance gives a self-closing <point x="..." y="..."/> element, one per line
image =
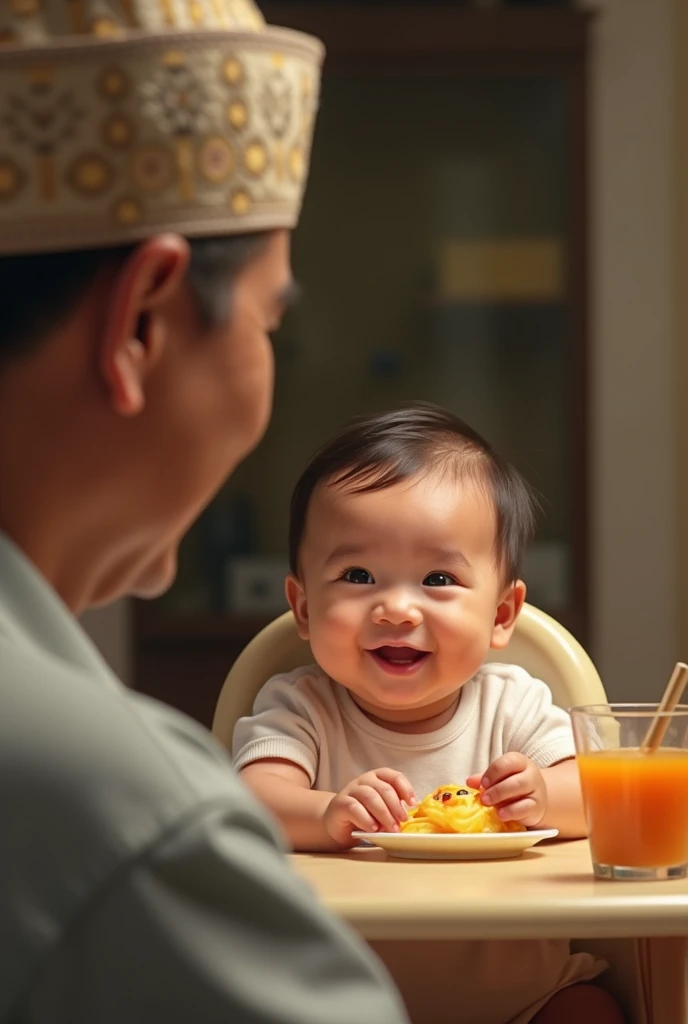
<point x="306" y="718"/>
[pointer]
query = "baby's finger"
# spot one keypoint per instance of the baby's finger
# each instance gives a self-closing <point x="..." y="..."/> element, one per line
<point x="474" y="781"/>
<point x="520" y="810"/>
<point x="399" y="782"/>
<point x="357" y="816"/>
<point x="397" y="808"/>
<point x="513" y="788"/>
<point x="502" y="768"/>
<point x="375" y="804"/>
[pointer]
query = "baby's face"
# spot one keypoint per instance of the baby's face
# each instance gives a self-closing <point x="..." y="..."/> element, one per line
<point x="400" y="593"/>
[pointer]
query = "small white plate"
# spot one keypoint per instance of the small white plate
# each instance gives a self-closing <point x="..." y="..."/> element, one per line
<point x="456" y="846"/>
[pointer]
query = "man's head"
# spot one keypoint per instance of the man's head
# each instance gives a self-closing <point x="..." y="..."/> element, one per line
<point x="152" y="167"/>
<point x="406" y="537"/>
<point x="130" y="397"/>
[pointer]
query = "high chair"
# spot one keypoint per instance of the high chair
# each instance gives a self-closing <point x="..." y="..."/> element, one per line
<point x="640" y="976"/>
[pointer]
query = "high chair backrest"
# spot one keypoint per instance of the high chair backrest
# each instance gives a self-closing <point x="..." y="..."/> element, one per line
<point x="539" y="644"/>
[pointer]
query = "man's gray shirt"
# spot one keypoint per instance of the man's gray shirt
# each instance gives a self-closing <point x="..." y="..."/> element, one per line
<point x="139" y="880"/>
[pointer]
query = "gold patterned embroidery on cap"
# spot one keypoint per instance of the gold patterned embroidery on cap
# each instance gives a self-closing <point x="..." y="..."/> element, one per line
<point x="105" y="28"/>
<point x="47" y="183"/>
<point x="279" y="160"/>
<point x="255" y="158"/>
<point x="173" y="132"/>
<point x="216" y="160"/>
<point x="40" y="118"/>
<point x="245" y="14"/>
<point x="195" y="10"/>
<point x="130" y="13"/>
<point x="167" y="12"/>
<point x="184" y="150"/>
<point x="118" y="131"/>
<point x="232" y="70"/>
<point x="174" y="59"/>
<point x="278" y="100"/>
<point x="307" y="105"/>
<point x="12" y="179"/>
<point x="41" y="77"/>
<point x="77" y="17"/>
<point x="237" y="114"/>
<point x="174" y="96"/>
<point x="113" y="84"/>
<point x="24" y="8"/>
<point x="152" y="168"/>
<point x="128" y="211"/>
<point x="90" y="175"/>
<point x="220" y="12"/>
<point x="177" y="101"/>
<point x="297" y="164"/>
<point x="240" y="202"/>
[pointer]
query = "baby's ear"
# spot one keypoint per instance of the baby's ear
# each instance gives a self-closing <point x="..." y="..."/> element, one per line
<point x="508" y="610"/>
<point x="296" y="596"/>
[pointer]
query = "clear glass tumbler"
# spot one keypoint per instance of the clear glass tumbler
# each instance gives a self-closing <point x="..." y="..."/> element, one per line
<point x="636" y="801"/>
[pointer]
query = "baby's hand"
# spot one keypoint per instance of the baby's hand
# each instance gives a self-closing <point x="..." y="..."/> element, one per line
<point x="371" y="803"/>
<point x="516" y="787"/>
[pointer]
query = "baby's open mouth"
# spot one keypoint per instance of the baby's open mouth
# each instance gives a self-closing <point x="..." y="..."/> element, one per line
<point x="399" y="655"/>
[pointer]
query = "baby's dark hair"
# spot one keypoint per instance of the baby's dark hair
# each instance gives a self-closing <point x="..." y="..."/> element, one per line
<point x="375" y="452"/>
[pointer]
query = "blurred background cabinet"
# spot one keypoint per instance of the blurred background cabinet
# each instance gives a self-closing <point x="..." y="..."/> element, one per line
<point x="442" y="255"/>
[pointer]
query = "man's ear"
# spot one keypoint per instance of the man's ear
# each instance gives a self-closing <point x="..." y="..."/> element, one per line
<point x="508" y="610"/>
<point x="296" y="596"/>
<point x="134" y="334"/>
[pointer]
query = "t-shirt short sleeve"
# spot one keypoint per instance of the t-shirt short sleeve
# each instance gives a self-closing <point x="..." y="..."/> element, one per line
<point x="284" y="724"/>
<point x="533" y="724"/>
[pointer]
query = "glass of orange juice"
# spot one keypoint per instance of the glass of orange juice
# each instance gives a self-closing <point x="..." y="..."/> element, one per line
<point x="636" y="801"/>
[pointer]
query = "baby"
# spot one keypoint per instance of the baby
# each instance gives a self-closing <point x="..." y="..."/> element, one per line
<point x="406" y="536"/>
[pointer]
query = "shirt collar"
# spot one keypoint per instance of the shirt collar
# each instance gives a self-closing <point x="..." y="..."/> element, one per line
<point x="33" y="614"/>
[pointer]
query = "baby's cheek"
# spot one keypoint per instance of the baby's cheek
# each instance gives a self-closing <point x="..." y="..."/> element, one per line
<point x="332" y="633"/>
<point x="339" y="620"/>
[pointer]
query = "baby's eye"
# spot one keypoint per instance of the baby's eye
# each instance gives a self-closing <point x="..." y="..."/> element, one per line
<point x="439" y="579"/>
<point x="358" y="576"/>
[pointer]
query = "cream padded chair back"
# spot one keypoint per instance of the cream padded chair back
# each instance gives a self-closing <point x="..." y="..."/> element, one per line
<point x="539" y="644"/>
<point x="277" y="648"/>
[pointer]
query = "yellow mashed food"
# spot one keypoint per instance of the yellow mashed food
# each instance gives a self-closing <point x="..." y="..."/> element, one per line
<point x="456" y="808"/>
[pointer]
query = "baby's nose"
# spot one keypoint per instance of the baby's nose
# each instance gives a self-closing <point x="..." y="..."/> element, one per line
<point x="397" y="609"/>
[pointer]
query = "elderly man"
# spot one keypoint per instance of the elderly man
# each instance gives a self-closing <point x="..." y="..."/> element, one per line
<point x="152" y="160"/>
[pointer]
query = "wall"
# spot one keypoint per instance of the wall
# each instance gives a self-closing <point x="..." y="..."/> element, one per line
<point x="633" y="359"/>
<point x="681" y="123"/>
